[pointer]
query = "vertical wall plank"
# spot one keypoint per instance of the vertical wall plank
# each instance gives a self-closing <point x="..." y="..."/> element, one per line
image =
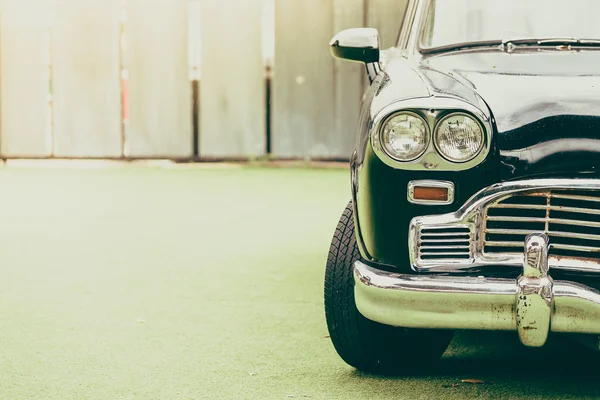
<point x="303" y="85"/>
<point x="232" y="88"/>
<point x="386" y="16"/>
<point x="350" y="79"/>
<point x="25" y="78"/>
<point x="160" y="99"/>
<point x="87" y="104"/>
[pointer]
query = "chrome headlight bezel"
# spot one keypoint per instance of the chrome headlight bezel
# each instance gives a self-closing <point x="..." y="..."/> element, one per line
<point x="432" y="110"/>
<point x="436" y="139"/>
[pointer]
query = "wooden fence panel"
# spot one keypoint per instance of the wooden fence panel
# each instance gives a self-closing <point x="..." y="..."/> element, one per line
<point x="386" y="16"/>
<point x="350" y="79"/>
<point x="87" y="104"/>
<point x="159" y="89"/>
<point x="232" y="88"/>
<point x="25" y="79"/>
<point x="303" y="85"/>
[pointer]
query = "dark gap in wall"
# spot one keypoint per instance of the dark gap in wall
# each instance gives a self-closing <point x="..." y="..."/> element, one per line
<point x="196" y="115"/>
<point x="268" y="108"/>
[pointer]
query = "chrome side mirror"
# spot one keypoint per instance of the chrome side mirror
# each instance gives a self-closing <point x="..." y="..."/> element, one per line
<point x="359" y="45"/>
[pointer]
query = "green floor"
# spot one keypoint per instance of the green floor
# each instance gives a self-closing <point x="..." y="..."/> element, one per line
<point x="147" y="283"/>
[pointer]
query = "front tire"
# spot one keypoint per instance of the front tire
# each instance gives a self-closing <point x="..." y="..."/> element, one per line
<point x="360" y="342"/>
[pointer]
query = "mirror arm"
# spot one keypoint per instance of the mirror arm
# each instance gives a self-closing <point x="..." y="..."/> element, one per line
<point x="373" y="70"/>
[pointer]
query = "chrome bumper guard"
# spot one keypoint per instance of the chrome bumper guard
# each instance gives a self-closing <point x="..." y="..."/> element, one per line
<point x="533" y="305"/>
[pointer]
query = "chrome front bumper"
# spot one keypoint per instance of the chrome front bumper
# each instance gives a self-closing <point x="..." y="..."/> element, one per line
<point x="533" y="305"/>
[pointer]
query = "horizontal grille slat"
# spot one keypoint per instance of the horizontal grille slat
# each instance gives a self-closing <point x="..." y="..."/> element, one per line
<point x="551" y="208"/>
<point x="570" y="219"/>
<point x="575" y="197"/>
<point x="514" y="219"/>
<point x="447" y="241"/>
<point x="451" y="234"/>
<point x="543" y="220"/>
<point x="504" y="244"/>
<point x="509" y="231"/>
<point x="576" y="248"/>
<point x="574" y="235"/>
<point x="448" y="247"/>
<point x="445" y="254"/>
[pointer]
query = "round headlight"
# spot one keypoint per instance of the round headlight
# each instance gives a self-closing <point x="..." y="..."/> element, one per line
<point x="405" y="136"/>
<point x="458" y="137"/>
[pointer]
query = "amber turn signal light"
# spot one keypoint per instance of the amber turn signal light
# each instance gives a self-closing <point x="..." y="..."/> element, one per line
<point x="430" y="192"/>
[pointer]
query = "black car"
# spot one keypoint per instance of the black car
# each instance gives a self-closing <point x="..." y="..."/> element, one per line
<point x="475" y="182"/>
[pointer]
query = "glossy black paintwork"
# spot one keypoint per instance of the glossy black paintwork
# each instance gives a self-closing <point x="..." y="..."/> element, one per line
<point x="546" y="104"/>
<point x="545" y="108"/>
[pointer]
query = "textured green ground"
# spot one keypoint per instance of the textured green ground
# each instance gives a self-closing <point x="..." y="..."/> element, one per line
<point x="145" y="283"/>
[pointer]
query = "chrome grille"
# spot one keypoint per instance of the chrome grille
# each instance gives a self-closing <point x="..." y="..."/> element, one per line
<point x="444" y="243"/>
<point x="571" y="219"/>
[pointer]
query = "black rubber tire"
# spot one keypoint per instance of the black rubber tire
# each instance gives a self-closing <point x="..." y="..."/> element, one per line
<point x="360" y="342"/>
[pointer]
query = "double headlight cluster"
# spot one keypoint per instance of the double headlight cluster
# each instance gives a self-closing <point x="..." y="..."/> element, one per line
<point x="458" y="137"/>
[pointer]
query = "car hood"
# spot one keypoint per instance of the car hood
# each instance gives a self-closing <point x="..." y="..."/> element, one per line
<point x="546" y="105"/>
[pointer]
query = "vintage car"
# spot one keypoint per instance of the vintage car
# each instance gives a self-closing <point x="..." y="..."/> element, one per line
<point x="475" y="182"/>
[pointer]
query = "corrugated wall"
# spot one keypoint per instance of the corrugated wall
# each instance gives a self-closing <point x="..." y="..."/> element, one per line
<point x="159" y="122"/>
<point x="232" y="89"/>
<point x="85" y="73"/>
<point x="113" y="78"/>
<point x="25" y="75"/>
